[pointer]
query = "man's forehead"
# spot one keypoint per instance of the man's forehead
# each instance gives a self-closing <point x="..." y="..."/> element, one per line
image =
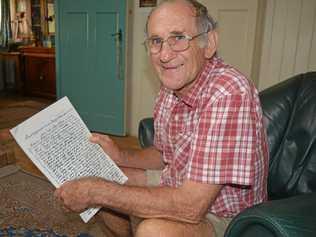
<point x="181" y="8"/>
<point x="171" y="18"/>
<point x="170" y="30"/>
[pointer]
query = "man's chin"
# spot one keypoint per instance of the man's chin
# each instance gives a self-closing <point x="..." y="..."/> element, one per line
<point x="177" y="89"/>
<point x="171" y="86"/>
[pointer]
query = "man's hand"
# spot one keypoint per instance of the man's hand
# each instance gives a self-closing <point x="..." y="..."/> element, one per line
<point x="75" y="194"/>
<point x="148" y="158"/>
<point x="108" y="146"/>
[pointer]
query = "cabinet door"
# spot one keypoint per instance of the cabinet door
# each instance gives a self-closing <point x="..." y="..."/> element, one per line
<point x="40" y="76"/>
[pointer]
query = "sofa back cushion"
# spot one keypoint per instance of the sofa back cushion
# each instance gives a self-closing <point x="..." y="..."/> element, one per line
<point x="289" y="111"/>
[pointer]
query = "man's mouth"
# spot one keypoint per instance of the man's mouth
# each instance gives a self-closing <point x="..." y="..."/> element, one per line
<point x="165" y="67"/>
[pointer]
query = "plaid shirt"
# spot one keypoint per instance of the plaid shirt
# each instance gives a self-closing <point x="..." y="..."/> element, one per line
<point x="214" y="134"/>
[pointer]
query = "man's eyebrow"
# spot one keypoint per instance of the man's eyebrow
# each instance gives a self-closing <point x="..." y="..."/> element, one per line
<point x="154" y="37"/>
<point x="176" y="32"/>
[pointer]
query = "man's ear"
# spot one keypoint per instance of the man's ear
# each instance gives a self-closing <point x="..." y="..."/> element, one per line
<point x="212" y="45"/>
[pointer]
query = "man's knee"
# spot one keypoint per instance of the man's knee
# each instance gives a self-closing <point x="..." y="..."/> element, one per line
<point x="165" y="228"/>
<point x="152" y="228"/>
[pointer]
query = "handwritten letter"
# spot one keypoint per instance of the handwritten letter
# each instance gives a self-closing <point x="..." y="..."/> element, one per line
<point x="56" y="140"/>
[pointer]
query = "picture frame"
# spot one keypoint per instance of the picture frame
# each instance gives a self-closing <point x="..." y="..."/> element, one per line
<point x="147" y="3"/>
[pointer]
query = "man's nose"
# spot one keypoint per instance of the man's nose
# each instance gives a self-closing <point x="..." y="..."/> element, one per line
<point x="166" y="52"/>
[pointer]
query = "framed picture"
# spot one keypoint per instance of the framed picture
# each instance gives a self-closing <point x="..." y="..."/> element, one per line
<point x="147" y="3"/>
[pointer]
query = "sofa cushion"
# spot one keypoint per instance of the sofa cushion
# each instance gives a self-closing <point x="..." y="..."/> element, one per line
<point x="289" y="110"/>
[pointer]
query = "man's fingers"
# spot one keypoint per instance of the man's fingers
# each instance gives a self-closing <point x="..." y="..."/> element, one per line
<point x="65" y="208"/>
<point x="94" y="138"/>
<point x="59" y="198"/>
<point x="99" y="138"/>
<point x="57" y="193"/>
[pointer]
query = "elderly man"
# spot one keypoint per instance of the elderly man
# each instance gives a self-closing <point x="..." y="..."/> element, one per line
<point x="210" y="142"/>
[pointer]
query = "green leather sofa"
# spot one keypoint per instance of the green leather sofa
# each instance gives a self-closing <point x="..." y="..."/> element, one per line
<point x="289" y="110"/>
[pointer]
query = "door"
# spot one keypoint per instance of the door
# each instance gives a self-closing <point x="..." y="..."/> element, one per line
<point x="237" y="21"/>
<point x="90" y="46"/>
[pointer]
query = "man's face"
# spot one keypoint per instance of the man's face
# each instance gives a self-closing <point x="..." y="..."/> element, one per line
<point x="176" y="70"/>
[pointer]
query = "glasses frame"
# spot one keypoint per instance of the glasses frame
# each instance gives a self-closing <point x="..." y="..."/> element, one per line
<point x="186" y="37"/>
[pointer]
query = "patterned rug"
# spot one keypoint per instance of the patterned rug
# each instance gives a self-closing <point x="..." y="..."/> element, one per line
<point x="13" y="113"/>
<point x="27" y="205"/>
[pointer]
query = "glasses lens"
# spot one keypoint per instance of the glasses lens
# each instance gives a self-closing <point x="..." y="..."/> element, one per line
<point x="154" y="44"/>
<point x="175" y="42"/>
<point x="178" y="42"/>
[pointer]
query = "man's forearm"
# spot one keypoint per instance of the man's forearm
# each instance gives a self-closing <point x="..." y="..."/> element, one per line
<point x="152" y="202"/>
<point x="149" y="158"/>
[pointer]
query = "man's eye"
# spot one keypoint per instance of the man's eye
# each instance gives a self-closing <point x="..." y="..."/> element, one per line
<point x="179" y="37"/>
<point x="155" y="41"/>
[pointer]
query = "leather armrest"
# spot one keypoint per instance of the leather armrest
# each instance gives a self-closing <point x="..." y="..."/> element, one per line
<point x="146" y="132"/>
<point x="295" y="216"/>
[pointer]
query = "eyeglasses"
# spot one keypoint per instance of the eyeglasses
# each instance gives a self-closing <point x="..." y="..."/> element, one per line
<point x="177" y="43"/>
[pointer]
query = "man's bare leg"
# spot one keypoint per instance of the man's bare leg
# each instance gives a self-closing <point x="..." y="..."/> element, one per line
<point x="114" y="224"/>
<point x="165" y="228"/>
<point x="118" y="224"/>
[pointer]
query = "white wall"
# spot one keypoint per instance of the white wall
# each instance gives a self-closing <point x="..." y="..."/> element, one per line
<point x="143" y="84"/>
<point x="236" y="27"/>
<point x="289" y="40"/>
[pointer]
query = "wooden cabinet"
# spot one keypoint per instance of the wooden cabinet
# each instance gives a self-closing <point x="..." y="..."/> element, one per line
<point x="39" y="71"/>
<point x="10" y="72"/>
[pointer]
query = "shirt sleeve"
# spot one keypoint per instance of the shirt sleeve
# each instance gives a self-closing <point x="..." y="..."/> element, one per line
<point x="223" y="146"/>
<point x="158" y="119"/>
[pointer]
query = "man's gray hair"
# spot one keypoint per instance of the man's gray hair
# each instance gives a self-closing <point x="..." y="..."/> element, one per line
<point x="204" y="21"/>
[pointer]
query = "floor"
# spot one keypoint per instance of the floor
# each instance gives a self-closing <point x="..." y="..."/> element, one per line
<point x="15" y="109"/>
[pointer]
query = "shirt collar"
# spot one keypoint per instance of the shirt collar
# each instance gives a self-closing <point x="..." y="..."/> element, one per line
<point x="191" y="97"/>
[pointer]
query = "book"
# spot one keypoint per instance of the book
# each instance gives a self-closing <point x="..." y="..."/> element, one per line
<point x="57" y="141"/>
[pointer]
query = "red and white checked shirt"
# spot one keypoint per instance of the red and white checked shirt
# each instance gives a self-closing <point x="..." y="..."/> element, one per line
<point x="215" y="134"/>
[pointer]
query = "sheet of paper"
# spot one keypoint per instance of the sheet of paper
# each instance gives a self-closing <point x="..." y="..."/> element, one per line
<point x="56" y="140"/>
